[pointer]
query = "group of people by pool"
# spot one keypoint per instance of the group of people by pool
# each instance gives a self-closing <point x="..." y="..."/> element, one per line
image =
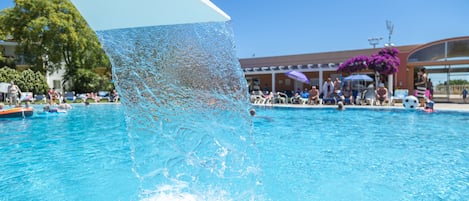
<point x="334" y="92"/>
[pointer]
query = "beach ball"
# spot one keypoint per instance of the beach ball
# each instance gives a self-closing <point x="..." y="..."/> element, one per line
<point x="410" y="102"/>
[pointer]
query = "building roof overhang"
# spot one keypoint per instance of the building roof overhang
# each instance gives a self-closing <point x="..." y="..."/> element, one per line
<point x="326" y="61"/>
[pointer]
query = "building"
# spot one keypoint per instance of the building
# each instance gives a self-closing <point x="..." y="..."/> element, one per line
<point x="54" y="80"/>
<point x="447" y="58"/>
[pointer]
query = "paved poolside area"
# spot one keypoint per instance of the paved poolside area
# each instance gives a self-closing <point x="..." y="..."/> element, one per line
<point x="438" y="106"/>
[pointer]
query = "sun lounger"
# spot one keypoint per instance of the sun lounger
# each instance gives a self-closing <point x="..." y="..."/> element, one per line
<point x="329" y="101"/>
<point x="368" y="97"/>
<point x="281" y="98"/>
<point x="399" y="95"/>
<point x="103" y="95"/>
<point x="40" y="98"/>
<point x="26" y="96"/>
<point x="70" y="95"/>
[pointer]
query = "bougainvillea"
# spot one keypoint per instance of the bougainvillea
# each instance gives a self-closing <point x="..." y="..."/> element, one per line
<point x="385" y="61"/>
<point x="354" y="64"/>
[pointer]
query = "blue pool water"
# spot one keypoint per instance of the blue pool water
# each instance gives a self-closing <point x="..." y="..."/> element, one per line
<point x="306" y="154"/>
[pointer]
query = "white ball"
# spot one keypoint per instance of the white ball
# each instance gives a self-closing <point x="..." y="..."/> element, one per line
<point x="410" y="102"/>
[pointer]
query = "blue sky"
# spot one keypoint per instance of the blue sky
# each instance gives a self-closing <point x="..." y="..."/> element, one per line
<point x="272" y="28"/>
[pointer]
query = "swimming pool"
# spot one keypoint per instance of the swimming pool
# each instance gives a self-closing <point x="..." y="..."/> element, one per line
<point x="306" y="154"/>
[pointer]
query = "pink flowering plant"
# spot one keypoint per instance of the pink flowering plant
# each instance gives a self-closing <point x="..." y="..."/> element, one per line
<point x="354" y="64"/>
<point x="384" y="62"/>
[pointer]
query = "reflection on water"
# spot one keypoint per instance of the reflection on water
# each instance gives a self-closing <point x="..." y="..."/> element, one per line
<point x="186" y="104"/>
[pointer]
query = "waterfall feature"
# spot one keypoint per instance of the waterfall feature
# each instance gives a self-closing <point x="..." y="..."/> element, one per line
<point x="186" y="106"/>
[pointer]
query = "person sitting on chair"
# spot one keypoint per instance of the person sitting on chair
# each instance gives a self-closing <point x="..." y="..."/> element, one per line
<point x="381" y="94"/>
<point x="296" y="99"/>
<point x="114" y="96"/>
<point x="313" y="95"/>
<point x="347" y="94"/>
<point x="337" y="86"/>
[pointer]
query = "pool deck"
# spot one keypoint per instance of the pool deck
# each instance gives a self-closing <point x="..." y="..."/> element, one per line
<point x="438" y="106"/>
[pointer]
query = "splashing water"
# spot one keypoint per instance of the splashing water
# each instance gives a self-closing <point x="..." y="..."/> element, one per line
<point x="177" y="84"/>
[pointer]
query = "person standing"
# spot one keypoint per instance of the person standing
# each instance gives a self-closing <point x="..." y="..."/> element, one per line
<point x="49" y="96"/>
<point x="13" y="91"/>
<point x="430" y="88"/>
<point x="464" y="94"/>
<point x="327" y="88"/>
<point x="421" y="86"/>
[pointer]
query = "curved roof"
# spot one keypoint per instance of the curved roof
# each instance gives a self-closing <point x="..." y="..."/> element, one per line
<point x="446" y="51"/>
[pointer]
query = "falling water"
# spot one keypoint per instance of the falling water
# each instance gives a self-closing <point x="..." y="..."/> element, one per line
<point x="186" y="105"/>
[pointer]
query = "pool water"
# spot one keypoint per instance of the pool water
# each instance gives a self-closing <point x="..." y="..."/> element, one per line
<point x="306" y="154"/>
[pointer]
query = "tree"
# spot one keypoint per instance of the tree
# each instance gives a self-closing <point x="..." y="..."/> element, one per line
<point x="54" y="28"/>
<point x="458" y="82"/>
<point x="88" y="81"/>
<point x="27" y="80"/>
<point x="8" y="75"/>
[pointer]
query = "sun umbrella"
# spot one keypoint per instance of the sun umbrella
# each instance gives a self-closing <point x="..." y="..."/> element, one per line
<point x="4" y="87"/>
<point x="296" y="75"/>
<point x="358" y="77"/>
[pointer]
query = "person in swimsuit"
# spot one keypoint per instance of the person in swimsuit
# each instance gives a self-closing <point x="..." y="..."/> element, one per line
<point x="421" y="86"/>
<point x="381" y="94"/>
<point x="340" y="105"/>
<point x="13" y="91"/>
<point x="47" y="108"/>
<point x="252" y="112"/>
<point x="313" y="95"/>
<point x="348" y="93"/>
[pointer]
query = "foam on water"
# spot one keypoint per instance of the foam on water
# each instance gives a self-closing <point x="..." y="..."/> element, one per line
<point x="179" y="84"/>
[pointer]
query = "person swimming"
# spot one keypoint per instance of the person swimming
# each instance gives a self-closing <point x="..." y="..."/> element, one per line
<point x="340" y="106"/>
<point x="52" y="110"/>
<point x="252" y="112"/>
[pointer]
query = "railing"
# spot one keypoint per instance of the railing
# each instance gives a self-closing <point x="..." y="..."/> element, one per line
<point x="452" y="89"/>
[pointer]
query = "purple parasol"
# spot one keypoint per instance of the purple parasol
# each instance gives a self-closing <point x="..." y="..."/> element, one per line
<point x="296" y="75"/>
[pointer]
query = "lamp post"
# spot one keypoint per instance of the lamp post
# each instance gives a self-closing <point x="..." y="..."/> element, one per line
<point x="390" y="28"/>
<point x="374" y="41"/>
<point x="45" y="64"/>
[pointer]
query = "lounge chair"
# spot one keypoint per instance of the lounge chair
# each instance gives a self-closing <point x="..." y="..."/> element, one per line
<point x="255" y="95"/>
<point x="329" y="100"/>
<point x="40" y="98"/>
<point x="368" y="97"/>
<point x="258" y="97"/>
<point x="83" y="97"/>
<point x="26" y="96"/>
<point x="281" y="98"/>
<point x="70" y="95"/>
<point x="399" y="95"/>
<point x="103" y="95"/>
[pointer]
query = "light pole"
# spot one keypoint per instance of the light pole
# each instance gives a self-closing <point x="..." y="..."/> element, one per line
<point x="374" y="41"/>
<point x="390" y="28"/>
<point x="45" y="64"/>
